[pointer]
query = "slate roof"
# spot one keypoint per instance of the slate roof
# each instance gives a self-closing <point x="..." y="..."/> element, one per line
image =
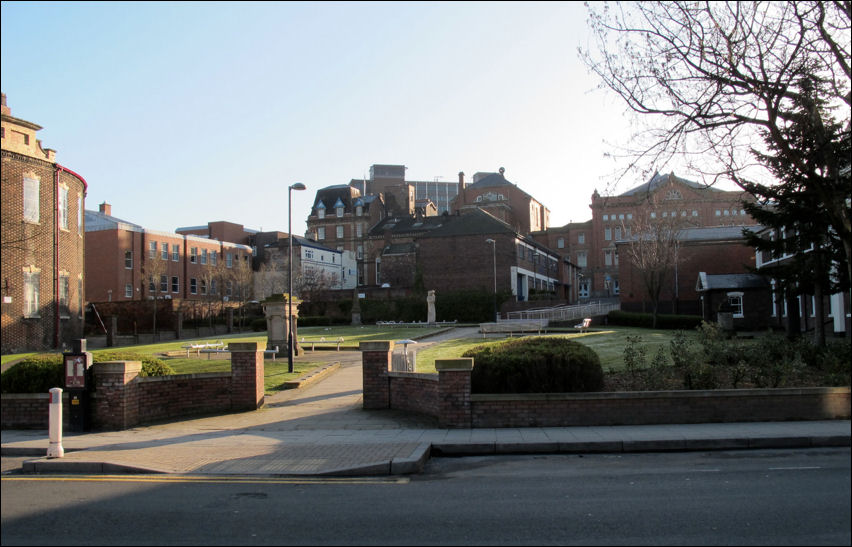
<point x="659" y="180"/>
<point x="344" y="194"/>
<point x="494" y="179"/>
<point x="711" y="282"/>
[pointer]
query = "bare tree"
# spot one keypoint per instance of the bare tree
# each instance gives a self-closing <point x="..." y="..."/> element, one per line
<point x="719" y="84"/>
<point x="242" y="278"/>
<point x="652" y="249"/>
<point x="154" y="268"/>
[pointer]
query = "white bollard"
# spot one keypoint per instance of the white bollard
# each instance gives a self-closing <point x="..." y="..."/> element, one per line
<point x="54" y="449"/>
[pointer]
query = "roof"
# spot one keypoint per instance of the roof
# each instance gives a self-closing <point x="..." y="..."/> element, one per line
<point x="333" y="196"/>
<point x="494" y="179"/>
<point x="97" y="221"/>
<point x="472" y="222"/>
<point x="713" y="282"/>
<point x="659" y="180"/>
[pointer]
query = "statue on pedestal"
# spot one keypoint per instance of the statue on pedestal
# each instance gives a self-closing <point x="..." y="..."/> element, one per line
<point x="430" y="303"/>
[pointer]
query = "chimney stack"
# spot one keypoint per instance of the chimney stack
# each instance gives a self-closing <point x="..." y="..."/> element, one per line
<point x="105" y="208"/>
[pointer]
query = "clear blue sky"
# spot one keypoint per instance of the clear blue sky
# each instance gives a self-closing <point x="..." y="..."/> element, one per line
<point x="182" y="113"/>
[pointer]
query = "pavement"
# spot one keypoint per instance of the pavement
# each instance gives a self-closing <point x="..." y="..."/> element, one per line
<point x="322" y="430"/>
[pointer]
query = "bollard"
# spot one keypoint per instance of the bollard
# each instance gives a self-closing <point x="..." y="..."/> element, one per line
<point x="54" y="449"/>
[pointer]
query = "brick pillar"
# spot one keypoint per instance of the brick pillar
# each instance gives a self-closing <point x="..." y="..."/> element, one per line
<point x="115" y="404"/>
<point x="375" y="364"/>
<point x="454" y="392"/>
<point x="246" y="376"/>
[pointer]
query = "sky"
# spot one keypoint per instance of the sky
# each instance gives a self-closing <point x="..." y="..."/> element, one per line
<point x="179" y="114"/>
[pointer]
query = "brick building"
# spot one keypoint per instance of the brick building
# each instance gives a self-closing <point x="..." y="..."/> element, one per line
<point x="718" y="250"/>
<point x="592" y="244"/>
<point x="453" y="252"/>
<point x="504" y="200"/>
<point x="42" y="243"/>
<point x="127" y="262"/>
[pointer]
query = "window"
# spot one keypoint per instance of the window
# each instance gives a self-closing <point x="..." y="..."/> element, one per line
<point x="694" y="213"/>
<point x="629" y="216"/>
<point x="560" y="243"/>
<point x="193" y="255"/>
<point x="359" y="230"/>
<point x="606" y="217"/>
<point x="581" y="259"/>
<point x="128" y="290"/>
<point x="80" y="296"/>
<point x="339" y="211"/>
<point x="229" y="260"/>
<point x="164" y="251"/>
<point x="320" y="210"/>
<point x="735" y="301"/>
<point x="581" y="238"/>
<point x="665" y="214"/>
<point x="64" y="293"/>
<point x="618" y="232"/>
<point x="80" y="215"/>
<point x="340" y="232"/>
<point x="213" y="288"/>
<point x="321" y="233"/>
<point x="204" y="256"/>
<point x="309" y="254"/>
<point x="152" y="249"/>
<point x="608" y="257"/>
<point x="152" y="285"/>
<point x="608" y="233"/>
<point x="718" y="213"/>
<point x="653" y="215"/>
<point x="359" y="211"/>
<point x="128" y="260"/>
<point x="229" y="288"/>
<point x="213" y="258"/>
<point x="360" y="252"/>
<point x="63" y="207"/>
<point x="193" y="285"/>
<point x="774" y="299"/>
<point x="164" y="283"/>
<point x="725" y="212"/>
<point x="203" y="286"/>
<point x="584" y="289"/>
<point x="615" y="287"/>
<point x="32" y="282"/>
<point x="175" y="253"/>
<point x="31" y="201"/>
<point x="175" y="284"/>
<point x="615" y="257"/>
<point x="621" y="217"/>
<point x="378" y="271"/>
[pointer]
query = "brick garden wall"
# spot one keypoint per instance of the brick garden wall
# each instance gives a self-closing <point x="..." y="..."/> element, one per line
<point x="447" y="395"/>
<point x="122" y="399"/>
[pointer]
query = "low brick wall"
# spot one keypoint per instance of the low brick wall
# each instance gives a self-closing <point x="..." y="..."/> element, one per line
<point x="30" y="410"/>
<point x="121" y="399"/>
<point x="447" y="396"/>
<point x="414" y="392"/>
<point x="659" y="407"/>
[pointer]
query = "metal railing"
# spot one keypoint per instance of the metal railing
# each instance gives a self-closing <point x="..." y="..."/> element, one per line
<point x="565" y="313"/>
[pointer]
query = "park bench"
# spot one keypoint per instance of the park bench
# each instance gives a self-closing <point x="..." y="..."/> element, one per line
<point x="322" y="340"/>
<point x="584" y="326"/>
<point x="205" y="347"/>
<point x="272" y="351"/>
<point x="512" y="327"/>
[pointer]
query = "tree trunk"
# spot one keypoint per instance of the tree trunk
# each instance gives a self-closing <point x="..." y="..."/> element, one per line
<point x="794" y="325"/>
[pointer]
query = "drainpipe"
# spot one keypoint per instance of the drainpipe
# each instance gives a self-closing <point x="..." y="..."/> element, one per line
<point x="56" y="321"/>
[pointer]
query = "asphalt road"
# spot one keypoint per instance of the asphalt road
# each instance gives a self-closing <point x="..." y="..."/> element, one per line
<point x="754" y="497"/>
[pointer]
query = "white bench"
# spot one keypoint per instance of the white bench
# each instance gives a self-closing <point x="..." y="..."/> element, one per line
<point x="203" y="346"/>
<point x="584" y="326"/>
<point x="322" y="340"/>
<point x="272" y="351"/>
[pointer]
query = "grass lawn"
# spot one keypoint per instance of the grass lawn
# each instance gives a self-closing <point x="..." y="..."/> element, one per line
<point x="608" y="344"/>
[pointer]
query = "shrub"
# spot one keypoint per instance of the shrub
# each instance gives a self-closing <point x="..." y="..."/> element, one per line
<point x="36" y="374"/>
<point x="40" y="373"/>
<point x="259" y="324"/>
<point x="646" y="320"/>
<point x="535" y="365"/>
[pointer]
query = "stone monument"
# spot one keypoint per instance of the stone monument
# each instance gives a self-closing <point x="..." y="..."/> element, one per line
<point x="275" y="308"/>
<point x="430" y="310"/>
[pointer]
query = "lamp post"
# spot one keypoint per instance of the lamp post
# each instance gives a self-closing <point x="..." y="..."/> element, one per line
<point x="295" y="186"/>
<point x="494" y="255"/>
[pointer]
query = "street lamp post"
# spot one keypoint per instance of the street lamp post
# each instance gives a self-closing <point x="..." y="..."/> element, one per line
<point x="494" y="255"/>
<point x="295" y="186"/>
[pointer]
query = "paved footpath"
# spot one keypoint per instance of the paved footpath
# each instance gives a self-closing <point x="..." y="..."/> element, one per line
<point x="322" y="430"/>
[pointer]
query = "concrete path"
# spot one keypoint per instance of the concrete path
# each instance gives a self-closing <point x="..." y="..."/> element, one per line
<point x="322" y="430"/>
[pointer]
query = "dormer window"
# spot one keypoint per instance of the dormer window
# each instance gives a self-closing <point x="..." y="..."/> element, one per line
<point x="320" y="210"/>
<point x="338" y="207"/>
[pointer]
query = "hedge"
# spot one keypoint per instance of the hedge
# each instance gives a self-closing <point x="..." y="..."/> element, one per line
<point x="646" y="320"/>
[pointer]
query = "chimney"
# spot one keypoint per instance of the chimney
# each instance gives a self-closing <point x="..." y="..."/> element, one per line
<point x="461" y="200"/>
<point x="105" y="208"/>
<point x="4" y="108"/>
<point x="501" y="172"/>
